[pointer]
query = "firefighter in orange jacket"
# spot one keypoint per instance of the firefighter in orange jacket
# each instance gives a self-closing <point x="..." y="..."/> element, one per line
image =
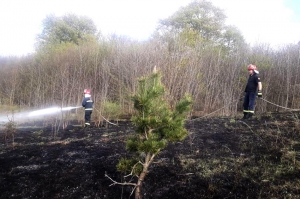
<point x="253" y="89"/>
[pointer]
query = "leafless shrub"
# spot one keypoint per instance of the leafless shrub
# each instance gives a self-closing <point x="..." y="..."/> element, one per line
<point x="10" y="129"/>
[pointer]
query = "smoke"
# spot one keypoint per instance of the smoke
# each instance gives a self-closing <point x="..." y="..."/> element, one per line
<point x="23" y="116"/>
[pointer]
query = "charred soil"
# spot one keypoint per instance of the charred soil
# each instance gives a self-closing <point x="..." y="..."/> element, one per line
<point x="221" y="157"/>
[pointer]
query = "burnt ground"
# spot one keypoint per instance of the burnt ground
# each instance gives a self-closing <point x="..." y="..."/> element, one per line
<point x="220" y="158"/>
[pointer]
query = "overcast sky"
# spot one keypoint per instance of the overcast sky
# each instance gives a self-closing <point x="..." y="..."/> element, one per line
<point x="276" y="22"/>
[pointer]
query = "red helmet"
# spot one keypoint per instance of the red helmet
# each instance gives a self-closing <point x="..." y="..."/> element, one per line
<point x="87" y="91"/>
<point x="251" y="67"/>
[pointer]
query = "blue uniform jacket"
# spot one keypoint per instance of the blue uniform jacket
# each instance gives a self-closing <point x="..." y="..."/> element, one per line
<point x="252" y="84"/>
<point x="88" y="103"/>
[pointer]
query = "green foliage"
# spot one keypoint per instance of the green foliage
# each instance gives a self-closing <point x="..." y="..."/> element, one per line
<point x="262" y="60"/>
<point x="4" y="108"/>
<point x="112" y="110"/>
<point x="189" y="37"/>
<point x="152" y="146"/>
<point x="232" y="38"/>
<point x="201" y="22"/>
<point x="154" y="115"/>
<point x="129" y="165"/>
<point x="66" y="29"/>
<point x="149" y="89"/>
<point x="156" y="123"/>
<point x="201" y="16"/>
<point x="132" y="144"/>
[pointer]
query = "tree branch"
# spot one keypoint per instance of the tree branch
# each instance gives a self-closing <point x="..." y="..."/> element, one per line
<point x="120" y="183"/>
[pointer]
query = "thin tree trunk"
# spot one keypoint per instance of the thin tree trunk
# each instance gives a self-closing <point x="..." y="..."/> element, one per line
<point x="138" y="191"/>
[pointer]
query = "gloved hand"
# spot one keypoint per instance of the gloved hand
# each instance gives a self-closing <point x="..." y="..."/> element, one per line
<point x="259" y="94"/>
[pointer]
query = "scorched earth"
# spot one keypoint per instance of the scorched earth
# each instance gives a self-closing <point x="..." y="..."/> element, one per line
<point x="221" y="157"/>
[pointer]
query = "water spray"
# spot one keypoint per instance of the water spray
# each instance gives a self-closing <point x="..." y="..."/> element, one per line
<point x="49" y="111"/>
<point x="34" y="114"/>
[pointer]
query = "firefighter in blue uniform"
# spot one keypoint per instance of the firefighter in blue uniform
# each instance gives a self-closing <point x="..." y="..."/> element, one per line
<point x="253" y="89"/>
<point x="88" y="104"/>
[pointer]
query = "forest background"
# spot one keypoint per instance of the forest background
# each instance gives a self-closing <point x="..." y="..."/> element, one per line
<point x="194" y="49"/>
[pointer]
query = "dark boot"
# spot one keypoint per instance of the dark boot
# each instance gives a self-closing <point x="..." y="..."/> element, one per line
<point x="249" y="116"/>
<point x="245" y="116"/>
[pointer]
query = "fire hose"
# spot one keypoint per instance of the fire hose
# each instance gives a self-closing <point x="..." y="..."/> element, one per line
<point x="279" y="105"/>
<point x="105" y="118"/>
<point x="243" y="97"/>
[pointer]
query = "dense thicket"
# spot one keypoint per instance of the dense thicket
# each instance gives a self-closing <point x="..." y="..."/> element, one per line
<point x="195" y="51"/>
